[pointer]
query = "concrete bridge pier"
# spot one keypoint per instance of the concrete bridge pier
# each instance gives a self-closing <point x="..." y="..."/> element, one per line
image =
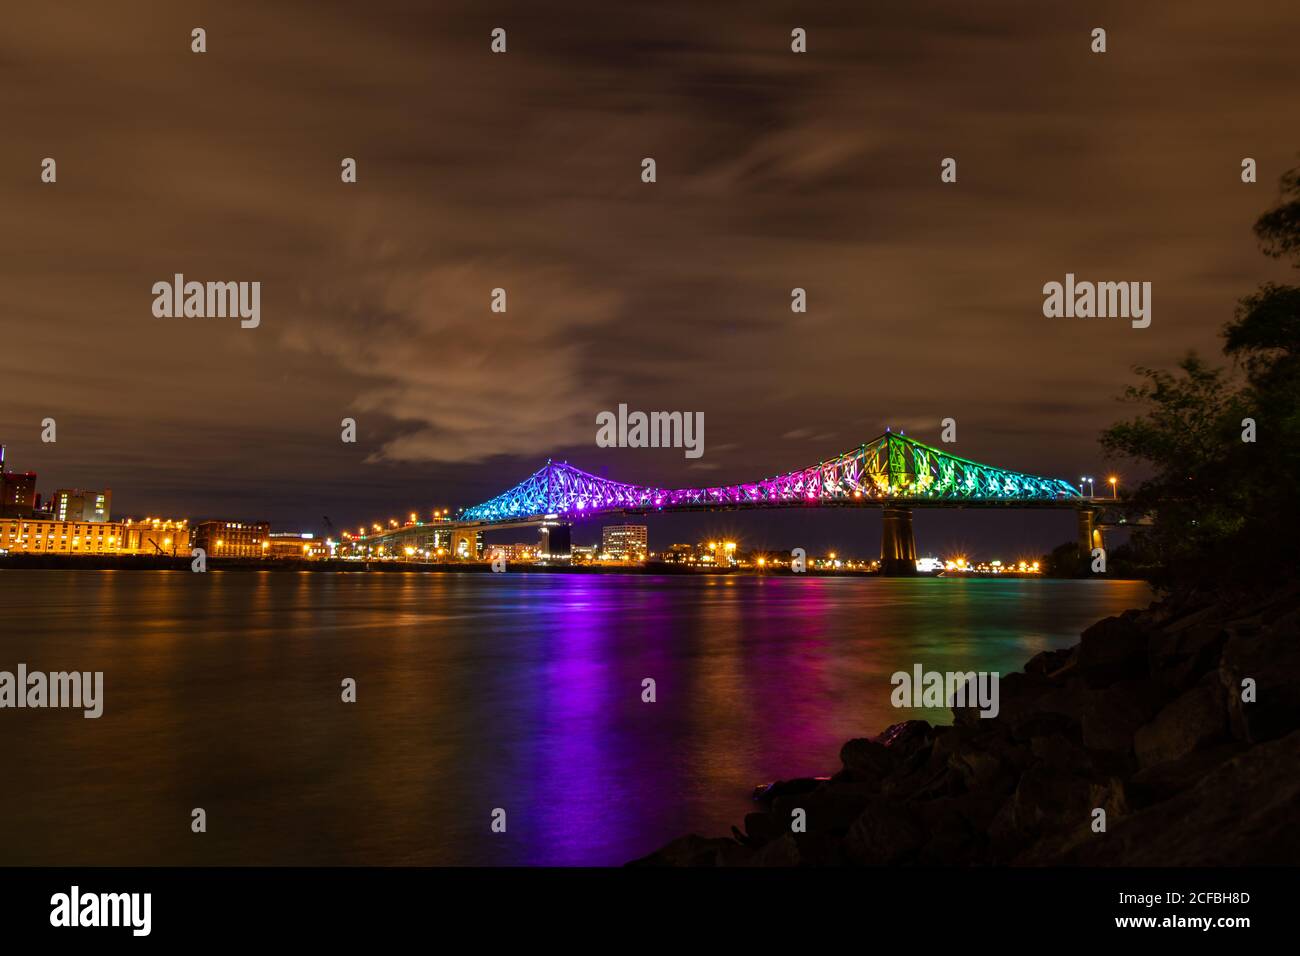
<point x="897" y="544"/>
<point x="1089" y="533"/>
<point x="556" y="541"/>
<point x="467" y="545"/>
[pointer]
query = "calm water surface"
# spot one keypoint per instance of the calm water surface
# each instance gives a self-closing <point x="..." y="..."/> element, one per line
<point x="518" y="691"/>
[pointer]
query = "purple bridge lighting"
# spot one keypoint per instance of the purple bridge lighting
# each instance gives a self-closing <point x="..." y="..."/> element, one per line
<point x="892" y="470"/>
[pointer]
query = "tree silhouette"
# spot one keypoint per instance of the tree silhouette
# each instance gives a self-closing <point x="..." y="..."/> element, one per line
<point x="1225" y="507"/>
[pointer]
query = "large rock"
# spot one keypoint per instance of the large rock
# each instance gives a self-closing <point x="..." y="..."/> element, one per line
<point x="923" y="776"/>
<point x="762" y="827"/>
<point x="1269" y="655"/>
<point x="1042" y="707"/>
<point x="1042" y="798"/>
<point x="831" y="808"/>
<point x="1110" y="796"/>
<point x="1047" y="663"/>
<point x="1016" y="693"/>
<point x="1195" y="719"/>
<point x="766" y="793"/>
<point x="1111" y="716"/>
<point x="867" y="760"/>
<point x="905" y="738"/>
<point x="1113" y="649"/>
<point x="1060" y="752"/>
<point x="1245" y="812"/>
<point x="983" y="757"/>
<point x="1181" y="652"/>
<point x="1160" y="782"/>
<point x="885" y="832"/>
<point x="957" y="828"/>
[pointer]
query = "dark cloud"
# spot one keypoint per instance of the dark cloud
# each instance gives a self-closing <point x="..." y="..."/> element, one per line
<point x="522" y="171"/>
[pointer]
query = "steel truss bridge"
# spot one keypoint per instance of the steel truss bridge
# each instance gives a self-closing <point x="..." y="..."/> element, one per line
<point x="891" y="469"/>
<point x="892" y="472"/>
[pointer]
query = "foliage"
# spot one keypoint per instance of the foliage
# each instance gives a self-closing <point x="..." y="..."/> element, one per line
<point x="1223" y="506"/>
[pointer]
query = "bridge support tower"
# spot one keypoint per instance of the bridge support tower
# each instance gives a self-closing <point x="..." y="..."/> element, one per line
<point x="1089" y="533"/>
<point x="467" y="545"/>
<point x="897" y="544"/>
<point x="556" y="541"/>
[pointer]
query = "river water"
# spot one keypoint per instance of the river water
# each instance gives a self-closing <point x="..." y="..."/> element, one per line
<point x="475" y="693"/>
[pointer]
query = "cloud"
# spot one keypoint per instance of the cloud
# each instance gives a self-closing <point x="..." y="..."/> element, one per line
<point x="521" y="171"/>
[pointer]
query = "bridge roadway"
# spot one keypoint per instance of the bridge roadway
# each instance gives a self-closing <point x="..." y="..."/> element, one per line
<point x="898" y="543"/>
<point x="892" y="472"/>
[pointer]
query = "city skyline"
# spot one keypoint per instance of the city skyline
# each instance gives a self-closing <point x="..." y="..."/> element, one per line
<point x="853" y="469"/>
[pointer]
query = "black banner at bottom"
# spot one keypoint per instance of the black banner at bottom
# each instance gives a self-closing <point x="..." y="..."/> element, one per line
<point x="175" y="905"/>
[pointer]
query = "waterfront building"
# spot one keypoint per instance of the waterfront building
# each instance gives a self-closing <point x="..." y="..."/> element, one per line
<point x="73" y="504"/>
<point x="716" y="553"/>
<point x="233" y="539"/>
<point x="44" y="536"/>
<point x="624" y="542"/>
<point x="157" y="536"/>
<point x="298" y="544"/>
<point x="512" y="552"/>
<point x="32" y="536"/>
<point x="17" y="494"/>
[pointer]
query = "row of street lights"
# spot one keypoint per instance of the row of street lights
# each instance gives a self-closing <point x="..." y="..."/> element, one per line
<point x="1113" y="481"/>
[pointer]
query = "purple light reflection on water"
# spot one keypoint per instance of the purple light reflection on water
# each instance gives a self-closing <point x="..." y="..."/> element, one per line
<point x="519" y="691"/>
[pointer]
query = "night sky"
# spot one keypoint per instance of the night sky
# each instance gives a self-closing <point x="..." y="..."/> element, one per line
<point x="522" y="171"/>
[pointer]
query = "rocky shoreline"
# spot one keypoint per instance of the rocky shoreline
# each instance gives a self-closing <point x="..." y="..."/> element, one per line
<point x="1144" y="718"/>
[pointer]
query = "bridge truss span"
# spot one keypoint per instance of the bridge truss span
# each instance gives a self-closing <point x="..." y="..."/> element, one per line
<point x="892" y="470"/>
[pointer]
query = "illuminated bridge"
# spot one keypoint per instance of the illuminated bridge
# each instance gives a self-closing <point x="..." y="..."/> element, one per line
<point x="894" y="473"/>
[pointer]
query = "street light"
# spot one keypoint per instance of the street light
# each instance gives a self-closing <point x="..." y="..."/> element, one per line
<point x="1114" y="493"/>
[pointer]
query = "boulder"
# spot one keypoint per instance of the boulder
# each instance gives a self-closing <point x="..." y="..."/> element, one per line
<point x="885" y="832"/>
<point x="1016" y="692"/>
<point x="1047" y="663"/>
<point x="1113" y="649"/>
<point x="1245" y="812"/>
<point x="1073" y="826"/>
<point x="1112" y="715"/>
<point x="1045" y="801"/>
<point x="767" y="792"/>
<point x="1195" y="719"/>
<point x="761" y="828"/>
<point x="827" y="809"/>
<point x="1271" y="657"/>
<point x="1059" y="752"/>
<point x="1159" y="782"/>
<point x="951" y="839"/>
<point x="1181" y="652"/>
<point x="1044" y="707"/>
<point x="867" y="760"/>
<point x="905" y="738"/>
<point x="983" y="758"/>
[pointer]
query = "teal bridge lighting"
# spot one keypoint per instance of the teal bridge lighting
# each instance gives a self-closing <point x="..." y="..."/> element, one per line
<point x="892" y="470"/>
